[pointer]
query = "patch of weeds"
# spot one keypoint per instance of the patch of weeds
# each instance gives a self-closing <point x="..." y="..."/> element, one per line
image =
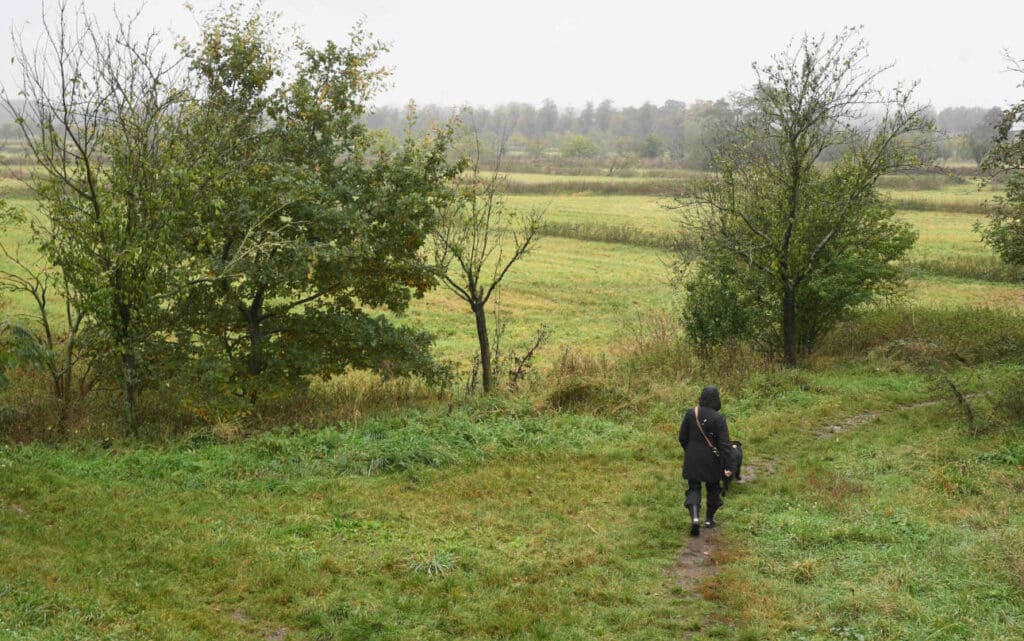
<point x="908" y="531"/>
<point x="1012" y="454"/>
<point x="988" y="400"/>
<point x="930" y="336"/>
<point x="847" y="633"/>
<point x="805" y="571"/>
<point x="984" y="267"/>
<point x="434" y="564"/>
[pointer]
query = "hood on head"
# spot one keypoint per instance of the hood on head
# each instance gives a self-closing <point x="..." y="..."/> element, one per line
<point x="709" y="398"/>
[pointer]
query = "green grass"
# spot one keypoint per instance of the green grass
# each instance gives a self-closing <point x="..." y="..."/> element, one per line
<point x="895" y="529"/>
<point x="582" y="291"/>
<point x="557" y="513"/>
<point x="495" y="521"/>
<point x="16" y="241"/>
<point x="647" y="213"/>
<point x="283" y="533"/>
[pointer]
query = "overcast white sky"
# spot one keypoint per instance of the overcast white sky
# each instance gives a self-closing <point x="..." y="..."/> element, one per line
<point x="484" y="53"/>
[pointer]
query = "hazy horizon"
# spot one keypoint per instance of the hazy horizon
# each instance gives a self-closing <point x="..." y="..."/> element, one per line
<point x="455" y="53"/>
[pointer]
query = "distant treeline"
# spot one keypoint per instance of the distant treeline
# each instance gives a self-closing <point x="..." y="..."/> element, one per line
<point x="619" y="137"/>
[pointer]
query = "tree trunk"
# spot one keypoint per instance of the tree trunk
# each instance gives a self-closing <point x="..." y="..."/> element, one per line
<point x="485" y="345"/>
<point x="130" y="387"/>
<point x="255" y="361"/>
<point x="789" y="336"/>
<point x="129" y="364"/>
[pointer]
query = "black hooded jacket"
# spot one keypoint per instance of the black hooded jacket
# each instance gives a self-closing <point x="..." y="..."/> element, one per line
<point x="699" y="462"/>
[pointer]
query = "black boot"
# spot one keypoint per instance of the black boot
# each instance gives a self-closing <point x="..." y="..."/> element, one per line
<point x="710" y="523"/>
<point x="694" y="520"/>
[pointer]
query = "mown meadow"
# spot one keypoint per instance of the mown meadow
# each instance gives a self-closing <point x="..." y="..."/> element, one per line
<point x="884" y="497"/>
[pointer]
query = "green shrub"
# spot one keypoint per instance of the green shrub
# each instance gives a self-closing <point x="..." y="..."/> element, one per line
<point x="989" y="401"/>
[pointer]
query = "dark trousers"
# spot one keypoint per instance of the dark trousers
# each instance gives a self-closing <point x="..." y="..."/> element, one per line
<point x="714" y="495"/>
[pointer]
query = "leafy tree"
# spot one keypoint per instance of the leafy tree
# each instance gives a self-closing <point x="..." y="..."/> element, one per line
<point x="703" y="118"/>
<point x="586" y="119"/>
<point x="477" y="242"/>
<point x="579" y="146"/>
<point x="547" y="117"/>
<point x="304" y="222"/>
<point x="604" y="114"/>
<point x="1004" y="231"/>
<point x="651" y="147"/>
<point x="981" y="138"/>
<point x="101" y="112"/>
<point x="790" y="245"/>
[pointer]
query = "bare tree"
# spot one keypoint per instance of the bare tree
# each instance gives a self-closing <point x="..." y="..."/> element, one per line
<point x="47" y="342"/>
<point x="477" y="241"/>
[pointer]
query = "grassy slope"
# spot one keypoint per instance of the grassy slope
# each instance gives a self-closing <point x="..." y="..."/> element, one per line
<point x="510" y="521"/>
<point x="499" y="522"/>
<point x="284" y="533"/>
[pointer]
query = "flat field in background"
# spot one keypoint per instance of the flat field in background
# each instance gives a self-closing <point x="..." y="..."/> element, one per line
<point x="589" y="293"/>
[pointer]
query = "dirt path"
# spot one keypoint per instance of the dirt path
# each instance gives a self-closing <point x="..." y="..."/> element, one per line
<point x="697" y="557"/>
<point x="696" y="560"/>
<point x="862" y="419"/>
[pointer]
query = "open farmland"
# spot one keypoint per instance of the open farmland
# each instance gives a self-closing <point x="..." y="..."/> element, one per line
<point x="591" y="293"/>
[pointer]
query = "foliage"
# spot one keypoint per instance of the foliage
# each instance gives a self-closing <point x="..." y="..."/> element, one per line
<point x="579" y="146"/>
<point x="224" y="217"/>
<point x="1004" y="231"/>
<point x="981" y="138"/>
<point x="931" y="338"/>
<point x="102" y="116"/>
<point x="302" y="221"/>
<point x="798" y="244"/>
<point x="45" y="340"/>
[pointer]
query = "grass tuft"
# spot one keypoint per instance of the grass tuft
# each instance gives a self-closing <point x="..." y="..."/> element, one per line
<point x="435" y="564"/>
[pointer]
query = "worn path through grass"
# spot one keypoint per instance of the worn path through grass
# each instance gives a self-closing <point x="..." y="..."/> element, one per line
<point x="897" y="526"/>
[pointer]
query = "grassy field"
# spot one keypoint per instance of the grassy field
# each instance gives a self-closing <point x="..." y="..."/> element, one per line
<point x="873" y="508"/>
<point x="575" y="288"/>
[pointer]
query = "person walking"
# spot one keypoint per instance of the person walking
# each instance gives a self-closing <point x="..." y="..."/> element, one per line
<point x="704" y="436"/>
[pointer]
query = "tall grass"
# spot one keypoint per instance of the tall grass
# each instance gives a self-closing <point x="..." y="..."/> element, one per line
<point x="931" y="337"/>
<point x="611" y="233"/>
<point x="925" y="180"/>
<point x="960" y="205"/>
<point x="608" y="187"/>
<point x="644" y="368"/>
<point x="968" y="266"/>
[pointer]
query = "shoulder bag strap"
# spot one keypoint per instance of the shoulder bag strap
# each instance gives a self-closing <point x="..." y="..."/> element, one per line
<point x="696" y="414"/>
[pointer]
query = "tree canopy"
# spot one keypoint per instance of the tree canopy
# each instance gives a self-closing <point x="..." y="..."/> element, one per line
<point x="219" y="212"/>
<point x="791" y="244"/>
<point x="304" y="220"/>
<point x="1004" y="230"/>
